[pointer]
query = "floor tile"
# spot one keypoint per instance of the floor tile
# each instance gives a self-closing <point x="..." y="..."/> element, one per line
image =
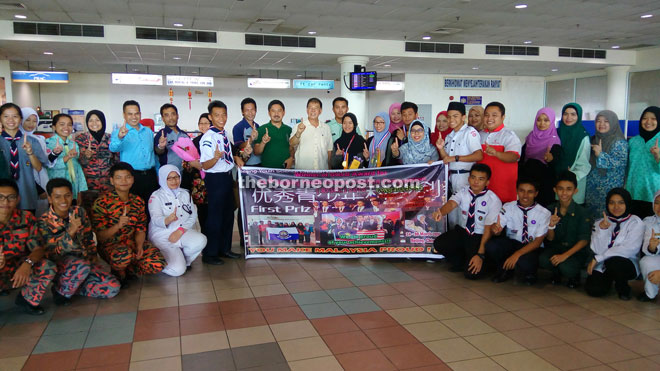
<point x="269" y="290"/>
<point x="159" y="302"/>
<point x="480" y="307"/>
<point x="59" y="343"/>
<point x="635" y="364"/>
<point x="494" y="344"/>
<point x="513" y="303"/>
<point x="334" y="325"/>
<point x="367" y="321"/>
<point x="229" y="283"/>
<point x="245" y="319"/>
<point x="156" y="330"/>
<point x="539" y="316"/>
<point x="379" y="290"/>
<point x="158" y="315"/>
<point x="452" y="350"/>
<point x="312" y="297"/>
<point x="429" y="331"/>
<point x="358" y="306"/>
<point x="199" y="310"/>
<point x="293" y="330"/>
<point x="200" y="297"/>
<point x="410" y="315"/>
<point x="279" y="315"/>
<point x="52" y="361"/>
<point x="390" y="336"/>
<point x="533" y="338"/>
<point x="297" y="349"/>
<point x="239" y="306"/>
<point x="13" y="363"/>
<point x="569" y="332"/>
<point x="636" y="321"/>
<point x="206" y="342"/>
<point x="328" y="363"/>
<point x="296" y="287"/>
<point x="110" y="336"/>
<point x="408" y="287"/>
<point x="605" y="351"/>
<point x="257" y="355"/>
<point x="505" y="321"/>
<point x="393" y="302"/>
<point x="639" y="343"/>
<point x="481" y="364"/>
<point x="348" y="342"/>
<point x="200" y="325"/>
<point x="368" y="279"/>
<point x="411" y="355"/>
<point x="152" y="349"/>
<point x="233" y="294"/>
<point x="446" y="311"/>
<point x="354" y="271"/>
<point x="161" y="364"/>
<point x="334" y="283"/>
<point x="250" y="336"/>
<point x="325" y="273"/>
<point x="111" y="320"/>
<point x="368" y="360"/>
<point x="566" y="357"/>
<point x="268" y="279"/>
<point x="468" y="326"/>
<point x="313" y="311"/>
<point x="393" y="277"/>
<point x="523" y="361"/>
<point x="346" y="294"/>
<point x="68" y="326"/>
<point x="276" y="301"/>
<point x="23" y="330"/>
<point x="105" y="356"/>
<point x="426" y="298"/>
<point x="294" y="277"/>
<point x="604" y="327"/>
<point x="214" y="360"/>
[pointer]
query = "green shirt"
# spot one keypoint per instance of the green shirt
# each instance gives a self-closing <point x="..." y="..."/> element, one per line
<point x="336" y="129"/>
<point x="573" y="227"/>
<point x="643" y="172"/>
<point x="277" y="150"/>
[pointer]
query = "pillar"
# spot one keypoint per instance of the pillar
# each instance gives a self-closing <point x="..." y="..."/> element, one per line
<point x="5" y="72"/>
<point x="617" y="90"/>
<point x="357" y="100"/>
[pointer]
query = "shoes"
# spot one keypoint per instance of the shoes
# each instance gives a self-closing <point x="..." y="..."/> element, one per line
<point x="556" y="279"/>
<point x="188" y="268"/>
<point x="573" y="283"/>
<point x="4" y="292"/>
<point x="213" y="260"/>
<point x="625" y="296"/>
<point x="529" y="280"/>
<point x="231" y="255"/>
<point x="502" y="276"/>
<point x="644" y="298"/>
<point x="124" y="284"/>
<point x="60" y="300"/>
<point x="35" y="310"/>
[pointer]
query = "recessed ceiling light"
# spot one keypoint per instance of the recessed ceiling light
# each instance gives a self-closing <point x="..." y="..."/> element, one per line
<point x="194" y="72"/>
<point x="311" y="32"/>
<point x="135" y="70"/>
<point x="177" y="58"/>
<point x="52" y="67"/>
<point x="527" y="42"/>
<point x="48" y="53"/>
<point x="521" y="6"/>
<point x="554" y="69"/>
<point x="178" y="25"/>
<point x="20" y="16"/>
<point x="475" y="68"/>
<point x="647" y="16"/>
<point x="298" y="75"/>
<point x="426" y="37"/>
<point x="387" y="65"/>
<point x="615" y="46"/>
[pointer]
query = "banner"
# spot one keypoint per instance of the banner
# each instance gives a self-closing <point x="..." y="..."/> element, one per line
<point x="382" y="212"/>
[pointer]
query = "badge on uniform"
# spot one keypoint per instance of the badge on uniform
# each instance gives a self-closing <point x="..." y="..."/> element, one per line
<point x="484" y="203"/>
<point x="533" y="221"/>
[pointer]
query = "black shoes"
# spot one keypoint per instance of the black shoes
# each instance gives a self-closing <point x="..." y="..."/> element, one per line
<point x="644" y="298"/>
<point x="529" y="280"/>
<point x="60" y="300"/>
<point x="35" y="310"/>
<point x="188" y="268"/>
<point x="624" y="296"/>
<point x="573" y="283"/>
<point x="212" y="260"/>
<point x="502" y="276"/>
<point x="556" y="279"/>
<point x="231" y="255"/>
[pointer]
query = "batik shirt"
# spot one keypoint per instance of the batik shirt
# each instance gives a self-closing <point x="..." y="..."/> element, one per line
<point x="106" y="212"/>
<point x="96" y="168"/>
<point x="55" y="238"/>
<point x="18" y="237"/>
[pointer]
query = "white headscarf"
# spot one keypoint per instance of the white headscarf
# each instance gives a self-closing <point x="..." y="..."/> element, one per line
<point x="163" y="173"/>
<point x="27" y="112"/>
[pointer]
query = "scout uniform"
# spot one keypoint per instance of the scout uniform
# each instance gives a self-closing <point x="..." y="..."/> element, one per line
<point x="651" y="260"/>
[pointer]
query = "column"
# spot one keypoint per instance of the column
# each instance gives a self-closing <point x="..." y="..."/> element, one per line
<point x="617" y="90"/>
<point x="5" y="71"/>
<point x="357" y="100"/>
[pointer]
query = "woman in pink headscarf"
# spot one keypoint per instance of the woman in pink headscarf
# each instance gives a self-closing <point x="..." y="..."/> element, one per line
<point x="395" y="117"/>
<point x="542" y="148"/>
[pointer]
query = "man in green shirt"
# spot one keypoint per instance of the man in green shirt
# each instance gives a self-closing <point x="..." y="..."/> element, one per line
<point x="339" y="108"/>
<point x="272" y="144"/>
<point x="569" y="233"/>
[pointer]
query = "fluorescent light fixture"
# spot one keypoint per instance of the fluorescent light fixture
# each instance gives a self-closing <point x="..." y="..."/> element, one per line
<point x="48" y="53"/>
<point x="390" y="85"/>
<point x="136" y="79"/>
<point x="177" y="58"/>
<point x="314" y="84"/>
<point x="527" y="42"/>
<point x="20" y="16"/>
<point x="46" y="77"/>
<point x="198" y="81"/>
<point x="387" y="65"/>
<point x="615" y="46"/>
<point x="647" y="16"/>
<point x="475" y="68"/>
<point x="311" y="32"/>
<point x="426" y="37"/>
<point x="521" y="6"/>
<point x="178" y="25"/>
<point x="259" y="83"/>
<point x="554" y="69"/>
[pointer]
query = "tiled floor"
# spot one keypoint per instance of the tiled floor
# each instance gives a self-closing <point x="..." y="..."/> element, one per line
<point x="366" y="314"/>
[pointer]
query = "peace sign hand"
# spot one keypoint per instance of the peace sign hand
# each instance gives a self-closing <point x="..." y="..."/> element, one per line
<point x="339" y="151"/>
<point x="554" y="219"/>
<point x="655" y="150"/>
<point x="74" y="224"/>
<point x="122" y="131"/>
<point x="395" y="147"/>
<point x="605" y="223"/>
<point x="365" y="152"/>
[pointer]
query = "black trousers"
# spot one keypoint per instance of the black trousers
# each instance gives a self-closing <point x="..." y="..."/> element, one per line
<point x="220" y="219"/>
<point x="499" y="249"/>
<point x="145" y="183"/>
<point x="642" y="208"/>
<point x="618" y="270"/>
<point x="459" y="247"/>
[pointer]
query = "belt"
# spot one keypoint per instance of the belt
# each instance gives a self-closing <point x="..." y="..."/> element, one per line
<point x="459" y="171"/>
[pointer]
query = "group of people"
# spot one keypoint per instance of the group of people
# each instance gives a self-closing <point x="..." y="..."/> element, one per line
<point x="152" y="210"/>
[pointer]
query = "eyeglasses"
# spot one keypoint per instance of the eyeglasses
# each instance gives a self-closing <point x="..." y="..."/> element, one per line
<point x="417" y="131"/>
<point x="379" y="122"/>
<point x="10" y="198"/>
<point x="176" y="177"/>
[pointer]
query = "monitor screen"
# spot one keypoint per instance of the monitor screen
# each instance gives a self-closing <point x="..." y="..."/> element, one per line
<point x="363" y="80"/>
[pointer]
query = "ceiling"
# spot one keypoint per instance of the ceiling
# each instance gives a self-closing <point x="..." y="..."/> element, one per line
<point x="567" y="23"/>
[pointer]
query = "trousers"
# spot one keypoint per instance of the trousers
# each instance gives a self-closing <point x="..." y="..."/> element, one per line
<point x="43" y="272"/>
<point x="618" y="270"/>
<point x="649" y="264"/>
<point x="220" y="221"/>
<point x="569" y="268"/>
<point x="459" y="247"/>
<point x="122" y="259"/>
<point x="179" y="255"/>
<point x="499" y="249"/>
<point x="77" y="276"/>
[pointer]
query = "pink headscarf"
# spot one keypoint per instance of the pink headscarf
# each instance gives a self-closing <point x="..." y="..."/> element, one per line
<point x="394" y="125"/>
<point x="539" y="142"/>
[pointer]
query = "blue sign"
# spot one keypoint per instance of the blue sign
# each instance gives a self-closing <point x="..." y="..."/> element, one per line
<point x="468" y="83"/>
<point x="40" y="76"/>
<point x="314" y="84"/>
<point x="471" y="100"/>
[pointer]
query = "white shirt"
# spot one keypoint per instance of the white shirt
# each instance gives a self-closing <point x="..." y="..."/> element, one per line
<point x="626" y="244"/>
<point x="162" y="203"/>
<point x="504" y="140"/>
<point x="463" y="142"/>
<point x="315" y="142"/>
<point x="486" y="209"/>
<point x="511" y="217"/>
<point x="207" y="148"/>
<point x="652" y="226"/>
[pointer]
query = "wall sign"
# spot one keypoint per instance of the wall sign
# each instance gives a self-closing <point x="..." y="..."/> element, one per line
<point x="314" y="84"/>
<point x="471" y="100"/>
<point x="198" y="81"/>
<point x="472" y="83"/>
<point x="136" y="79"/>
<point x="47" y="77"/>
<point x="259" y="83"/>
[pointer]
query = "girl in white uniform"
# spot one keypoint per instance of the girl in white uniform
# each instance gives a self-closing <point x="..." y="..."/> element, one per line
<point x="650" y="263"/>
<point x="173" y="215"/>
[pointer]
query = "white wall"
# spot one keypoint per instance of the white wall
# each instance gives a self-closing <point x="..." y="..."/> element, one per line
<point x="522" y="96"/>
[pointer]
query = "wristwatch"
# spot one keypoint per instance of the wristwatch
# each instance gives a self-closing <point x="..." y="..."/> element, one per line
<point x="456" y="158"/>
<point x="29" y="261"/>
<point x="482" y="256"/>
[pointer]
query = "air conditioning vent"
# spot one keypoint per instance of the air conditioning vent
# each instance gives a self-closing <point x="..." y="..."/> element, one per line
<point x="280" y="40"/>
<point x="583" y="53"/>
<point x="175" y="35"/>
<point x="11" y="6"/>
<point x="55" y="29"/>
<point x="434" y="48"/>
<point x="512" y="50"/>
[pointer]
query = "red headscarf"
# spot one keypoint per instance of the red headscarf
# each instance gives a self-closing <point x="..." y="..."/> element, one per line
<point x="394" y="126"/>
<point x="436" y="133"/>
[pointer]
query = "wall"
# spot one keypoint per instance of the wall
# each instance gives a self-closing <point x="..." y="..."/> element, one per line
<point x="522" y="97"/>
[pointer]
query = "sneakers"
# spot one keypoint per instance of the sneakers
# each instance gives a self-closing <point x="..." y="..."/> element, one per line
<point x="35" y="310"/>
<point x="60" y="300"/>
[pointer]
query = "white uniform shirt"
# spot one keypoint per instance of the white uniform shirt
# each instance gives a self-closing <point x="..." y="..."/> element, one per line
<point x="505" y="138"/>
<point x="462" y="143"/>
<point x="652" y="226"/>
<point x="207" y="146"/>
<point x="512" y="217"/>
<point x="161" y="205"/>
<point x="312" y="151"/>
<point x="627" y="243"/>
<point x="486" y="209"/>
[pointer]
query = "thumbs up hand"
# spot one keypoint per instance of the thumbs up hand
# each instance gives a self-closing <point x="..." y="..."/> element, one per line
<point x="74" y="224"/>
<point x="653" y="242"/>
<point x="124" y="219"/>
<point x="496" y="228"/>
<point x="218" y="153"/>
<point x="548" y="157"/>
<point x="266" y="138"/>
<point x="440" y="143"/>
<point x="490" y="151"/>
<point x="597" y="148"/>
<point x="437" y="215"/>
<point x="301" y="128"/>
<point x="339" y="151"/>
<point x="554" y="219"/>
<point x="605" y="223"/>
<point x="122" y="131"/>
<point x="58" y="147"/>
<point x="365" y="152"/>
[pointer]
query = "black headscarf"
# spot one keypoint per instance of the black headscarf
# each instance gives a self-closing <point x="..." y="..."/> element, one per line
<point x="356" y="141"/>
<point x="98" y="135"/>
<point x="627" y="198"/>
<point x="648" y="135"/>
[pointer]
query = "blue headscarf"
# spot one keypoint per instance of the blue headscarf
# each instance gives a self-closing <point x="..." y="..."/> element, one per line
<point x="418" y="152"/>
<point x="380" y="140"/>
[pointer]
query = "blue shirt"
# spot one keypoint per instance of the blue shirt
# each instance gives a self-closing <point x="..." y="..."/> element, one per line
<point x="136" y="148"/>
<point x="241" y="132"/>
<point x="169" y="156"/>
